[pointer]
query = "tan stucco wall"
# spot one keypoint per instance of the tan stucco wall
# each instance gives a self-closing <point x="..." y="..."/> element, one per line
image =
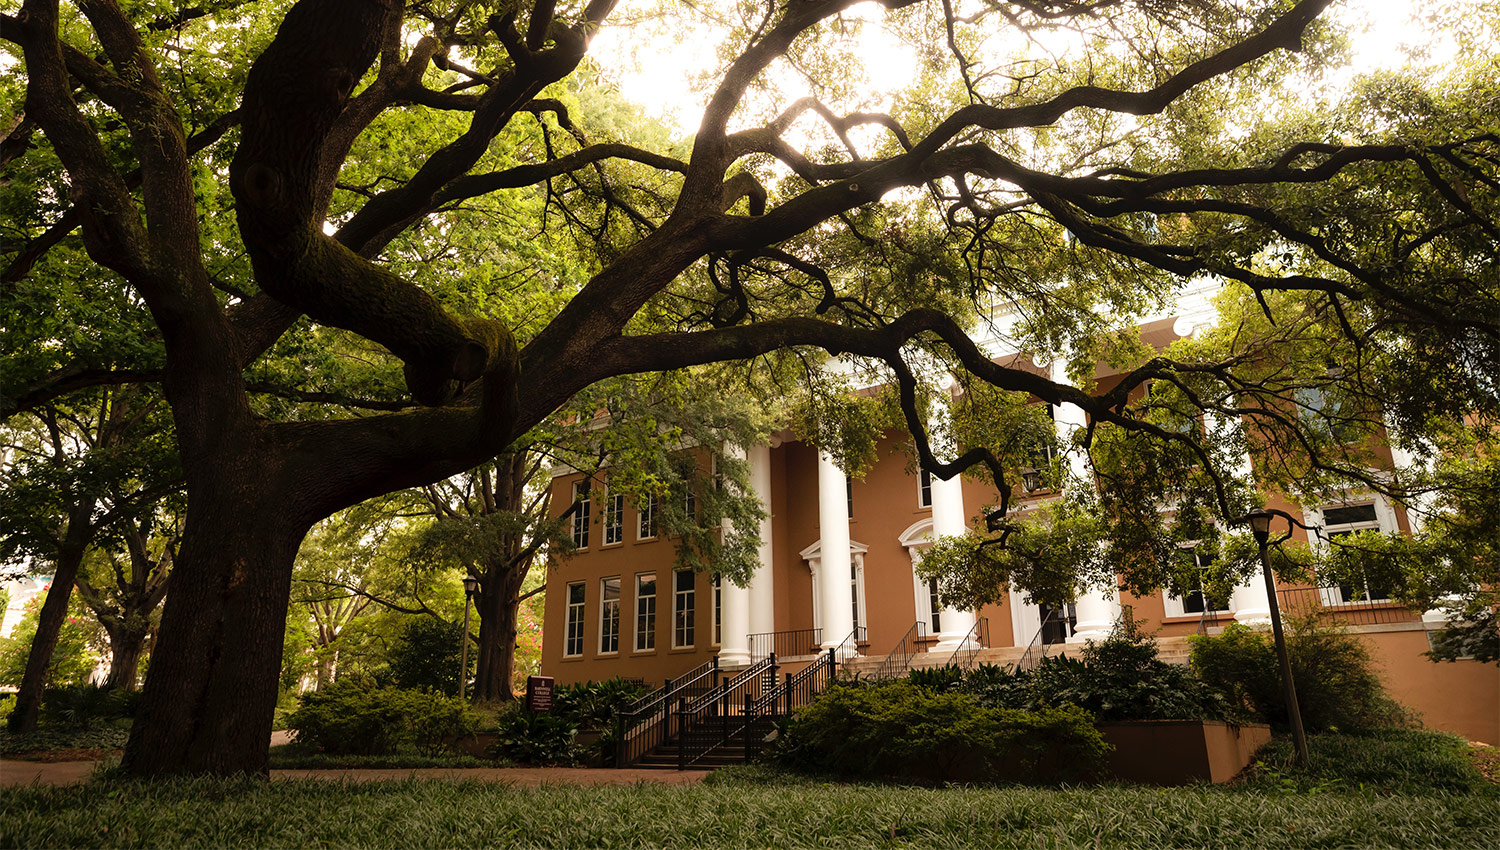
<point x="1462" y="697"/>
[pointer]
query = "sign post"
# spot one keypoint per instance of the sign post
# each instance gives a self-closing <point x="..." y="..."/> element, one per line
<point x="539" y="690"/>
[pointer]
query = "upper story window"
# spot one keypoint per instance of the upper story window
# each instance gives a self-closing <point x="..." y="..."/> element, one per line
<point x="1341" y="520"/>
<point x="614" y="518"/>
<point x="718" y="583"/>
<point x="849" y="495"/>
<point x="924" y="489"/>
<point x="646" y="519"/>
<point x="1197" y="601"/>
<point x="581" y="516"/>
<point x="573" y="637"/>
<point x="1039" y="456"/>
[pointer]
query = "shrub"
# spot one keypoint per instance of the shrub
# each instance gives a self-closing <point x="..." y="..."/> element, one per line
<point x="593" y="704"/>
<point x="426" y="656"/>
<point x="900" y="730"/>
<point x="1119" y="678"/>
<point x="937" y="678"/>
<point x="350" y="717"/>
<point x="1336" y="686"/>
<point x="80" y="705"/>
<point x="536" y="737"/>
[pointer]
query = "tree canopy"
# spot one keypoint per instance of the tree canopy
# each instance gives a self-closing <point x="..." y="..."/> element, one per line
<point x="234" y="189"/>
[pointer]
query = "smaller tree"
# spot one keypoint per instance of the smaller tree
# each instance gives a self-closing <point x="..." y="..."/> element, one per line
<point x="71" y="662"/>
<point x="125" y="593"/>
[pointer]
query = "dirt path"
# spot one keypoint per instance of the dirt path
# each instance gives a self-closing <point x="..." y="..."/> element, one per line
<point x="13" y="773"/>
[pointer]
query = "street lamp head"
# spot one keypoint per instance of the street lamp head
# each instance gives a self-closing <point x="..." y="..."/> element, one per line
<point x="1260" y="524"/>
<point x="471" y="584"/>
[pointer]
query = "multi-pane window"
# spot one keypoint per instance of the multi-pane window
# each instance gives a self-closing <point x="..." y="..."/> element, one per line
<point x="849" y="495"/>
<point x="614" y="518"/>
<point x="683" y="607"/>
<point x="935" y="611"/>
<point x="1196" y="602"/>
<point x="924" y="490"/>
<point x="1348" y="519"/>
<point x="573" y="642"/>
<point x="718" y="582"/>
<point x="581" y="513"/>
<point x="690" y="502"/>
<point x="609" y="615"/>
<point x="645" y="611"/>
<point x="646" y="526"/>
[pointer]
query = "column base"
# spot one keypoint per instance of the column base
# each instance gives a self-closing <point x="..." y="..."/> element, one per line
<point x="1253" y="616"/>
<point x="734" y="658"/>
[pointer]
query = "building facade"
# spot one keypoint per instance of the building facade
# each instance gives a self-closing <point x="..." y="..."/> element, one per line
<point x="836" y="569"/>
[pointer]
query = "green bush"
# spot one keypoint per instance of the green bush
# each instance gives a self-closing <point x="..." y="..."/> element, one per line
<point x="1337" y="689"/>
<point x="1118" y="678"/>
<point x="79" y="705"/>
<point x="1398" y="761"/>
<point x="426" y="656"/>
<point x="350" y="717"/>
<point x="900" y="730"/>
<point x="593" y="704"/>
<point x="536" y="737"/>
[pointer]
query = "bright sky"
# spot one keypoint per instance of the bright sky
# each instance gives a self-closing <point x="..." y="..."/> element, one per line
<point x="656" y="68"/>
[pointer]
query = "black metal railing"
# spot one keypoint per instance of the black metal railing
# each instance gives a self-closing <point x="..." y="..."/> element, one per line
<point x="1031" y="657"/>
<point x="642" y="702"/>
<point x="797" y="690"/>
<point x="899" y="659"/>
<point x="713" y="719"/>
<point x="852" y="644"/>
<point x="1340" y="606"/>
<point x="977" y="638"/>
<point x="788" y="644"/>
<point x="639" y="731"/>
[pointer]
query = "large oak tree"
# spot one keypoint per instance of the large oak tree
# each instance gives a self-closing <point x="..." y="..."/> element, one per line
<point x="1078" y="188"/>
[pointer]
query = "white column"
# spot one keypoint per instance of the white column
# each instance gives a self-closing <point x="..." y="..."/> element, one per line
<point x="762" y="584"/>
<point x="836" y="570"/>
<point x="1097" y="610"/>
<point x="948" y="520"/>
<point x="734" y="627"/>
<point x="1249" y="600"/>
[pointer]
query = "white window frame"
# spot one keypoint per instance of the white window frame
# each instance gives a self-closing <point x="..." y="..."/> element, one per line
<point x="583" y="498"/>
<point x="606" y="606"/>
<point x="1175" y="606"/>
<point x="645" y="637"/>
<point x="573" y="629"/>
<point x="924" y="488"/>
<point x="684" y="602"/>
<point x="614" y="518"/>
<point x="646" y="519"/>
<point x="1320" y="537"/>
<point x="718" y="586"/>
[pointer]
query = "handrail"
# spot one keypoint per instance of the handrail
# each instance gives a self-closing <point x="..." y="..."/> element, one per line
<point x="640" y="702"/>
<point x="899" y="658"/>
<point x="786" y="644"/>
<point x="969" y="649"/>
<point x="1024" y="662"/>
<point x="853" y="639"/>
<point x="640" y="731"/>
<point x="697" y="733"/>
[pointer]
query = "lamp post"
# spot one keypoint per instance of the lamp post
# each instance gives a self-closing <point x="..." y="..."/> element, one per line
<point x="1260" y="526"/>
<point x="471" y="584"/>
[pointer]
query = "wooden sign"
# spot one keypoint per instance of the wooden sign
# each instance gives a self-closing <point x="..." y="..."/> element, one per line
<point x="539" y="691"/>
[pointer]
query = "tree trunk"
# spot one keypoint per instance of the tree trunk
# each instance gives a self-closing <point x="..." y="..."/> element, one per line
<point x="49" y="624"/>
<point x="208" y="703"/>
<point x="126" y="645"/>
<point x="325" y="669"/>
<point x="497" y="636"/>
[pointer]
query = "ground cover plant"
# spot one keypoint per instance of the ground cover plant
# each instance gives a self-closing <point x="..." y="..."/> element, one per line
<point x="739" y="808"/>
<point x="352" y="717"/>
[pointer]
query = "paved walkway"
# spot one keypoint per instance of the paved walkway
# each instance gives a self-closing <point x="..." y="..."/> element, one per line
<point x="14" y="773"/>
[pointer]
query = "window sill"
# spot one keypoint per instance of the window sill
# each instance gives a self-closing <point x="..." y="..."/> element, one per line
<point x="1212" y="616"/>
<point x="615" y="654"/>
<point x="634" y="652"/>
<point x="569" y="658"/>
<point x="679" y="650"/>
<point x="611" y="545"/>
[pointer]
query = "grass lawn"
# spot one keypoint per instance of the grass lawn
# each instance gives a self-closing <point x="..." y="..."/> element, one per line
<point x="1439" y="800"/>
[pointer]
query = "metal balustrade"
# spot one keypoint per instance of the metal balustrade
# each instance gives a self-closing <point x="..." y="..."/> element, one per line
<point x="641" y="702"/>
<point x="786" y="644"/>
<point x="977" y="638"/>
<point x="899" y="659"/>
<point x="643" y="729"/>
<point x="711" y="720"/>
<point x="1329" y="604"/>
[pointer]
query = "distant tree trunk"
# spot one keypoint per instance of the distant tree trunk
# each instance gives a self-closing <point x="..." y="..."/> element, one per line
<point x="326" y="669"/>
<point x="207" y="706"/>
<point x="126" y="646"/>
<point x="498" y="608"/>
<point x="23" y="717"/>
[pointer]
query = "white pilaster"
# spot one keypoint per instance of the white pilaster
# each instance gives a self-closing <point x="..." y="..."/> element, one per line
<point x="835" y="572"/>
<point x="762" y="584"/>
